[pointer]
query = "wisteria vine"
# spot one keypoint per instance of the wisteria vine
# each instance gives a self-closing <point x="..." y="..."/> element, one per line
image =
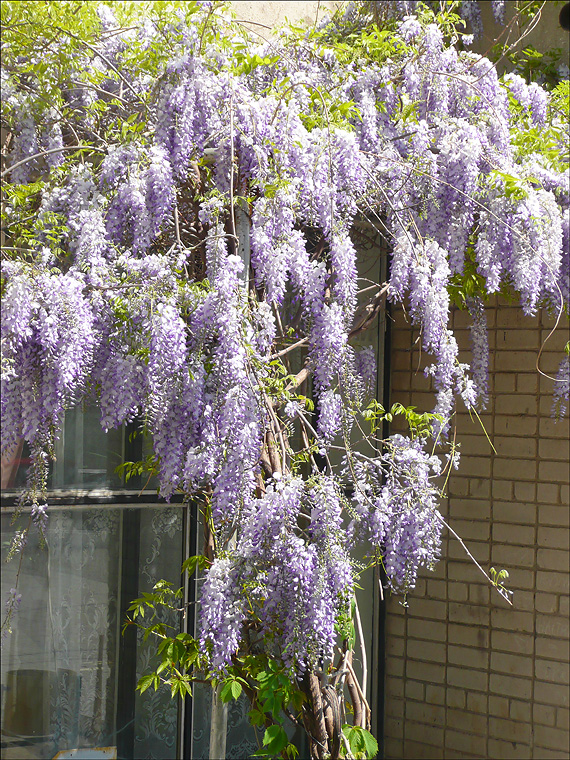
<point x="128" y="280"/>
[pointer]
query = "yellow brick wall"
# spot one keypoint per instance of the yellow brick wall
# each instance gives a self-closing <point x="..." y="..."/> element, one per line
<point x="466" y="675"/>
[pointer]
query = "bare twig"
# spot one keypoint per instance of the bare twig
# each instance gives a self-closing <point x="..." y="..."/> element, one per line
<point x="47" y="152"/>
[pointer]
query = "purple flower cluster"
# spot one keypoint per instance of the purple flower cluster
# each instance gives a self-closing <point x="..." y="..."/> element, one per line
<point x="103" y="305"/>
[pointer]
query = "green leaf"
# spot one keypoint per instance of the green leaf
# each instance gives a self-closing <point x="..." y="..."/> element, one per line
<point x="361" y="742"/>
<point x="145" y="682"/>
<point x="275" y="739"/>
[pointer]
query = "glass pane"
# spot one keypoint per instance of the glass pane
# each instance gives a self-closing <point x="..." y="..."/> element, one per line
<point x="59" y="666"/>
<point x="156" y="713"/>
<point x="62" y="667"/>
<point x="85" y="456"/>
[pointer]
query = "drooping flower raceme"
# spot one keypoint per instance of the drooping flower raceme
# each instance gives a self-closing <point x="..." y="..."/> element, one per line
<point x="201" y="264"/>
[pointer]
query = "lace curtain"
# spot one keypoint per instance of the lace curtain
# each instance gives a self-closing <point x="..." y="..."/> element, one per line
<point x="60" y="666"/>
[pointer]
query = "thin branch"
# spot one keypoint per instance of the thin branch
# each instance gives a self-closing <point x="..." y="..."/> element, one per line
<point x="47" y="152"/>
<point x="504" y="594"/>
<point x="362" y="645"/>
<point x="106" y="60"/>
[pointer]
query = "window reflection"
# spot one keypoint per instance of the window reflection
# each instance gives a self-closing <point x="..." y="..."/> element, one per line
<point x="62" y="666"/>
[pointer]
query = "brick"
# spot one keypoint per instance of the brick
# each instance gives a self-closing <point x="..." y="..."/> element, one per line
<point x="394" y="728"/>
<point x="394" y="686"/>
<point x="467" y="721"/>
<point x="512" y="620"/>
<point x="401" y="360"/>
<point x="432" y="735"/>
<point x="426" y="629"/>
<point x="499" y="707"/>
<point x="546" y="603"/>
<point x="544" y="715"/>
<point x="468" y="657"/>
<point x="479" y="593"/>
<point x="468" y="635"/>
<point x="556" y="672"/>
<point x="511" y="730"/>
<point x="479" y="549"/>
<point x="455" y="697"/>
<point x="458" y="486"/>
<point x="478" y="467"/>
<point x="516" y="426"/>
<point x="564" y="605"/>
<point x="414" y="748"/>
<point x="426" y="650"/>
<point x="523" y="361"/>
<point x="552" y="538"/>
<point x="507" y="556"/>
<point x="427" y="608"/>
<point x="508" y="750"/>
<point x="395" y="625"/>
<point x="525" y="492"/>
<point x="480" y="488"/>
<point x="428" y="672"/>
<point x="541" y="753"/>
<point x="437" y="589"/>
<point x="519" y="534"/>
<point x="433" y="715"/>
<point x="473" y="445"/>
<point x="556" y="515"/>
<point x="463" y="570"/>
<point x="504" y="382"/>
<point x="521" y="579"/>
<point x="527" y="383"/>
<point x="468" y="613"/>
<point x="435" y="695"/>
<point x="395" y="666"/>
<point x="395" y="646"/>
<point x="558" y="450"/>
<point x="395" y="708"/>
<point x="393" y="748"/>
<point x="514" y="664"/>
<point x="458" y="592"/>
<point x="414" y="690"/>
<point x="552" y="738"/>
<point x="518" y="405"/>
<point x="510" y="686"/>
<point x="552" y="559"/>
<point x="554" y="582"/>
<point x="552" y="649"/>
<point x="515" y="512"/>
<point x="563" y="718"/>
<point x="502" y="489"/>
<point x="565" y="494"/>
<point x="553" y="472"/>
<point x="477" y="702"/>
<point x="516" y="469"/>
<point x="509" y="316"/>
<point x="512" y="642"/>
<point x="520" y="711"/>
<point x="472" y="530"/>
<point x="459" y="741"/>
<point x="548" y="493"/>
<point x="550" y="428"/>
<point x="550" y="363"/>
<point x="515" y="447"/>
<point x="551" y="694"/>
<point x="522" y="600"/>
<point x="552" y="625"/>
<point x="467" y="423"/>
<point x="467" y="679"/>
<point x="470" y="509"/>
